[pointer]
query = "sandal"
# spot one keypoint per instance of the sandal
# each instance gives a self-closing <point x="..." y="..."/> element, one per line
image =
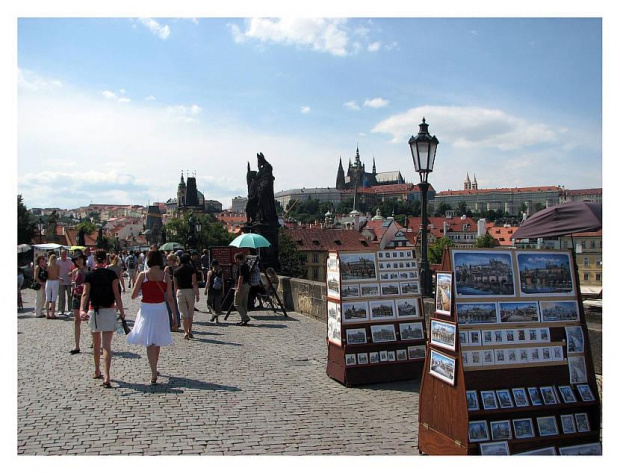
<point x="106" y="385"/>
<point x="97" y="376"/>
<point x="75" y="351"/>
<point x="154" y="380"/>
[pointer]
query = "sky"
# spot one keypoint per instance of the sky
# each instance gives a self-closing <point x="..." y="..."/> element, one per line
<point x="113" y="109"/>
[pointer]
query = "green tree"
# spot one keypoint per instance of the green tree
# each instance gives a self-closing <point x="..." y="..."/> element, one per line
<point x="25" y="226"/>
<point x="484" y="241"/>
<point x="87" y="226"/>
<point x="441" y="209"/>
<point x="435" y="251"/>
<point x="461" y="208"/>
<point x="292" y="261"/>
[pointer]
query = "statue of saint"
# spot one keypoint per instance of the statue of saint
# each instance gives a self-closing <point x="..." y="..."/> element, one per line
<point x="251" y="208"/>
<point x="266" y="200"/>
<point x="51" y="226"/>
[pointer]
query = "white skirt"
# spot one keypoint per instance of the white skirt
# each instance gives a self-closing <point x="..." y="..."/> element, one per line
<point x="151" y="327"/>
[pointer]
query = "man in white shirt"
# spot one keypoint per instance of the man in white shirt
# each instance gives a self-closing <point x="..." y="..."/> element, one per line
<point x="64" y="293"/>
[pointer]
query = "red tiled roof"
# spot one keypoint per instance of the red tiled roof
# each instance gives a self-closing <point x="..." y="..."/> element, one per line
<point x="502" y="236"/>
<point x="321" y="239"/>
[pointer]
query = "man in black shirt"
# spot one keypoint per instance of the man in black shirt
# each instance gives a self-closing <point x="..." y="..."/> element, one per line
<point x="242" y="290"/>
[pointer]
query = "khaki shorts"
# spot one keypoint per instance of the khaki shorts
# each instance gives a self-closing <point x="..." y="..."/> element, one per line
<point x="185" y="301"/>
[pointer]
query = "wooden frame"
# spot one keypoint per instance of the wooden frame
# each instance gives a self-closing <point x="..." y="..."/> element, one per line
<point x="519" y="353"/>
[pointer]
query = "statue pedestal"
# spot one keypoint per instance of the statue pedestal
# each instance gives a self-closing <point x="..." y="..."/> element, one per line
<point x="268" y="256"/>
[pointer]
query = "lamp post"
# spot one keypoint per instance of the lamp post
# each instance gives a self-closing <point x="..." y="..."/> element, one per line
<point x="198" y="227"/>
<point x="423" y="150"/>
<point x="40" y="226"/>
<point x="191" y="224"/>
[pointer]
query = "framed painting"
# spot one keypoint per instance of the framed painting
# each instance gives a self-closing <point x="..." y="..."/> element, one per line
<point x="410" y="288"/>
<point x="383" y="333"/>
<point x="442" y="367"/>
<point x="411" y="331"/>
<point x="350" y="291"/>
<point x="544" y="273"/>
<point x="369" y="290"/>
<point x="559" y="311"/>
<point x="358" y="266"/>
<point x="356" y="336"/>
<point x="443" y="334"/>
<point x="472" y="313"/>
<point x="443" y="293"/>
<point x="518" y="312"/>
<point x="354" y="312"/>
<point x="483" y="273"/>
<point x="408" y="308"/>
<point x="382" y="310"/>
<point x="334" y="334"/>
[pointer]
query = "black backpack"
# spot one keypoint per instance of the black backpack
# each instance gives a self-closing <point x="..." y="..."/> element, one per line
<point x="101" y="292"/>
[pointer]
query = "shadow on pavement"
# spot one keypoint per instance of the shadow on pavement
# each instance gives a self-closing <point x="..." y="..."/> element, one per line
<point x="412" y="386"/>
<point x="174" y="385"/>
<point x="126" y="354"/>
<point x="216" y="342"/>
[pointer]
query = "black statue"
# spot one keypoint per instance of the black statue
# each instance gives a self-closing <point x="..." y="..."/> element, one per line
<point x="251" y="208"/>
<point x="261" y="207"/>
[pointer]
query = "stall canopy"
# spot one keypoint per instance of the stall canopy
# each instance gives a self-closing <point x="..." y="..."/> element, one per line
<point x="563" y="219"/>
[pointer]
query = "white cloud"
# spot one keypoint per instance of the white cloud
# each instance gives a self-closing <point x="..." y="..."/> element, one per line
<point x="29" y="80"/>
<point x="305" y="109"/>
<point x="377" y="102"/>
<point x="150" y="98"/>
<point x="470" y="127"/>
<point x="352" y="105"/>
<point x="163" y="32"/>
<point x="137" y="151"/>
<point x="373" y="47"/>
<point x="114" y="97"/>
<point x="319" y="34"/>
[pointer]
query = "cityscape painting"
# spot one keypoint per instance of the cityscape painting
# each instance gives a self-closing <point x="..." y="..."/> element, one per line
<point x="483" y="273"/>
<point x="545" y="273"/>
<point x="354" y="312"/>
<point x="511" y="312"/>
<point x="358" y="266"/>
<point x="476" y="313"/>
<point x="559" y="311"/>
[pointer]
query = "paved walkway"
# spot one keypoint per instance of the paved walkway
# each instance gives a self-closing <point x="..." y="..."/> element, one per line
<point x="260" y="389"/>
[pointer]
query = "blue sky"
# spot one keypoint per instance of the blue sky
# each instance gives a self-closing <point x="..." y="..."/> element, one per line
<point x="112" y="110"/>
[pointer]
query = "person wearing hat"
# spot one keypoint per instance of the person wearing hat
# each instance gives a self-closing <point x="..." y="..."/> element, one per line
<point x="214" y="290"/>
<point x="77" y="283"/>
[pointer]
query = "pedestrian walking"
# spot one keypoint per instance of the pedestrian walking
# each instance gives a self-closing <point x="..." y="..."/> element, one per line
<point x="186" y="282"/>
<point x="173" y="264"/>
<point x="40" y="277"/>
<point x="64" y="291"/>
<point x="242" y="289"/>
<point x="132" y="264"/>
<point x="51" y="287"/>
<point x="151" y="328"/>
<point x="101" y="293"/>
<point x="214" y="290"/>
<point x="77" y="278"/>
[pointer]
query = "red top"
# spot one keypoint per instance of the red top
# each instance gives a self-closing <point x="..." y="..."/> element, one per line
<point x="153" y="292"/>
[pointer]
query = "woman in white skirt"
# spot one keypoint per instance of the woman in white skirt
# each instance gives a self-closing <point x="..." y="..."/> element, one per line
<point x="152" y="328"/>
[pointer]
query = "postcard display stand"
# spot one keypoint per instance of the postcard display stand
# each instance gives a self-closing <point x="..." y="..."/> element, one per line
<point x="508" y="368"/>
<point x="375" y="323"/>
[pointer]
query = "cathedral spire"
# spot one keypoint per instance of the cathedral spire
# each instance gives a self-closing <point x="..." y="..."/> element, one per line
<point x="374" y="167"/>
<point x="340" y="180"/>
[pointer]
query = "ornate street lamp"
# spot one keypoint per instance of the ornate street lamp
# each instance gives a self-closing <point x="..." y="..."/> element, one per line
<point x="423" y="150"/>
<point x="198" y="227"/>
<point x="40" y="226"/>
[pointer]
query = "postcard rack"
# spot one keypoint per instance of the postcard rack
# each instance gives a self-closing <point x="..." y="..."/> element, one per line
<point x="375" y="323"/>
<point x="508" y="365"/>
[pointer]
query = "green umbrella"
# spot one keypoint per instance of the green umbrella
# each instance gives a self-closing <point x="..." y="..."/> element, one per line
<point x="250" y="240"/>
<point x="171" y="246"/>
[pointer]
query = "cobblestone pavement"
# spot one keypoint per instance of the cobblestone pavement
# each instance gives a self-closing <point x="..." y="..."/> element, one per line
<point x="260" y="389"/>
